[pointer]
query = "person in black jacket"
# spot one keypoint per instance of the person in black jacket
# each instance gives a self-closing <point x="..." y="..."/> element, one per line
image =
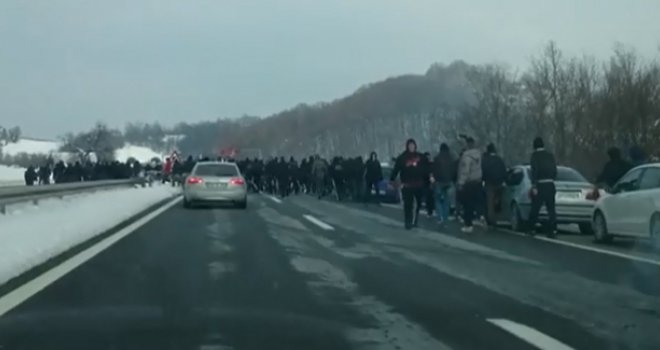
<point x="30" y="176"/>
<point x="44" y="174"/>
<point x="373" y="174"/>
<point x="494" y="175"/>
<point x="444" y="174"/>
<point x="543" y="175"/>
<point x="414" y="172"/>
<point x="614" y="169"/>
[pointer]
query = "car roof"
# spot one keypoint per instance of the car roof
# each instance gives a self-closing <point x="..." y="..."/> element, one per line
<point x="215" y="163"/>
<point x="648" y="165"/>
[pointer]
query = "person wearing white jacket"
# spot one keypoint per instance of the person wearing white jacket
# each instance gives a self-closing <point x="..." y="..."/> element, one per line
<point x="469" y="183"/>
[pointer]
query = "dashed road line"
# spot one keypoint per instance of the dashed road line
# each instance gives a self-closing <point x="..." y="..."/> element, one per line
<point x="272" y="198"/>
<point x="27" y="290"/>
<point x="318" y="223"/>
<point x="530" y="335"/>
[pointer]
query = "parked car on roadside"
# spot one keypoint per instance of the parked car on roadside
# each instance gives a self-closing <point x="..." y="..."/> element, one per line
<point x="632" y="208"/>
<point x="388" y="193"/>
<point x="574" y="200"/>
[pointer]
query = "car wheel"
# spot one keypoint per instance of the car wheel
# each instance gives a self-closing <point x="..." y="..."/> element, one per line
<point x="517" y="222"/>
<point x="655" y="230"/>
<point x="586" y="228"/>
<point x="242" y="205"/>
<point x="600" y="229"/>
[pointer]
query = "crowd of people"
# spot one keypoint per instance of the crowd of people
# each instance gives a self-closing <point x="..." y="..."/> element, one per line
<point x="476" y="177"/>
<point x="61" y="172"/>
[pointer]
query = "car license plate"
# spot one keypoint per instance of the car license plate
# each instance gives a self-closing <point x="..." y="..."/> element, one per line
<point x="568" y="195"/>
<point x="216" y="185"/>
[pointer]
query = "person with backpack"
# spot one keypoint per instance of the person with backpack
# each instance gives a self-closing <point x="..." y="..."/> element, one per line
<point x="543" y="175"/>
<point x="494" y="176"/>
<point x="469" y="183"/>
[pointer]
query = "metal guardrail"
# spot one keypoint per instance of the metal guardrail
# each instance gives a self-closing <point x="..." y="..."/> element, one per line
<point x="18" y="194"/>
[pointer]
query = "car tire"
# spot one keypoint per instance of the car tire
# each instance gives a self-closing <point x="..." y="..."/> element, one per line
<point x="518" y="224"/>
<point x="655" y="230"/>
<point x="586" y="228"/>
<point x="242" y="204"/>
<point x="601" y="235"/>
<point x="187" y="204"/>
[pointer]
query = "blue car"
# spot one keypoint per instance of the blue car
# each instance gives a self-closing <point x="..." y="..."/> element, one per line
<point x="388" y="193"/>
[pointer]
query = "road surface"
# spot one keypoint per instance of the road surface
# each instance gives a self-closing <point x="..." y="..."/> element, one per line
<point x="299" y="273"/>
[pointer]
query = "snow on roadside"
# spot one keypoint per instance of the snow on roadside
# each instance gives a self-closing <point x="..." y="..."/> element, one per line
<point x="31" y="146"/>
<point x="11" y="174"/>
<point x="32" y="236"/>
<point x="142" y="154"/>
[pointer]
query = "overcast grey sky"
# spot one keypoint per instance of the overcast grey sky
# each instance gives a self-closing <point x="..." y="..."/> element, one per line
<point x="64" y="64"/>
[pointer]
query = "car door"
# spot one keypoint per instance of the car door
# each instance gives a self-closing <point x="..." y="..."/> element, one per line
<point x="620" y="207"/>
<point x="514" y="179"/>
<point x="644" y="200"/>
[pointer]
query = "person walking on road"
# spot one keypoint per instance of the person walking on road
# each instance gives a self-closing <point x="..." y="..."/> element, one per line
<point x="319" y="172"/>
<point x="373" y="174"/>
<point x="469" y="182"/>
<point x="614" y="169"/>
<point x="414" y="171"/>
<point x="494" y="175"/>
<point x="30" y="176"/>
<point x="443" y="168"/>
<point x="543" y="175"/>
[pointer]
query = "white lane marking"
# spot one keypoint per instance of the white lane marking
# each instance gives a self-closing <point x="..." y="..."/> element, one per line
<point x="588" y="248"/>
<point x="318" y="223"/>
<point x="27" y="290"/>
<point x="273" y="198"/>
<point x="530" y="335"/>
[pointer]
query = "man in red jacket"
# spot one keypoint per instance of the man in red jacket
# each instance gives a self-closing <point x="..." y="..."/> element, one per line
<point x="167" y="169"/>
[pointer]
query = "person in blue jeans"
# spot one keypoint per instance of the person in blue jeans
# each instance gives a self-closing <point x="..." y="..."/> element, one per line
<point x="443" y="174"/>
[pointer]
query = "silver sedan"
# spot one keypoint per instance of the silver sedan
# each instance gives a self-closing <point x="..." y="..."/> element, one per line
<point x="574" y="200"/>
<point x="215" y="182"/>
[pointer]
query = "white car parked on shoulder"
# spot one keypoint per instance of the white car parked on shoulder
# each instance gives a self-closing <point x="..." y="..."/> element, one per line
<point x="632" y="208"/>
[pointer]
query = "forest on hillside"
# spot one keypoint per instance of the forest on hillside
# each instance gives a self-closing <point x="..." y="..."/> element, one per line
<point x="580" y="105"/>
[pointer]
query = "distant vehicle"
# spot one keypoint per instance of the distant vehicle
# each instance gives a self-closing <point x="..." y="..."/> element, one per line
<point x="388" y="193"/>
<point x="215" y="182"/>
<point x="633" y="207"/>
<point x="574" y="200"/>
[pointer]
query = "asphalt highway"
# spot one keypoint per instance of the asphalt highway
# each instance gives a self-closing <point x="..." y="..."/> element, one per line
<point x="299" y="273"/>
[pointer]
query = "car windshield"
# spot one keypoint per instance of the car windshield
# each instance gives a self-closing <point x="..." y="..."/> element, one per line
<point x="569" y="175"/>
<point x="204" y="174"/>
<point x="221" y="170"/>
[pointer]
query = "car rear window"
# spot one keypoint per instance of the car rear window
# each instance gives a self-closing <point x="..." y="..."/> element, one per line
<point x="216" y="170"/>
<point x="569" y="175"/>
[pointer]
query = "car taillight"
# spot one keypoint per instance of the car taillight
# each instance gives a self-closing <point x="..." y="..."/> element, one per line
<point x="237" y="181"/>
<point x="193" y="180"/>
<point x="593" y="195"/>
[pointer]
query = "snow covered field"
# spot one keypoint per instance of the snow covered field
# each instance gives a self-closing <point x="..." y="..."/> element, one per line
<point x="33" y="234"/>
<point x="33" y="146"/>
<point x="10" y="175"/>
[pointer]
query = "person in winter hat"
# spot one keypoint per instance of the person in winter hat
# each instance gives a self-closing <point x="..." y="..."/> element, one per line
<point x="414" y="171"/>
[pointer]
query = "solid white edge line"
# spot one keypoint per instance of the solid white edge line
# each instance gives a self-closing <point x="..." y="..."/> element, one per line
<point x="588" y="248"/>
<point x="27" y="290"/>
<point x="318" y="223"/>
<point x="530" y="335"/>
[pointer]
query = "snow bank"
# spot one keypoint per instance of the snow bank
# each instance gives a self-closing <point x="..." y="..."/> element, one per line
<point x="142" y="154"/>
<point x="11" y="174"/>
<point x="31" y="237"/>
<point x="31" y="146"/>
